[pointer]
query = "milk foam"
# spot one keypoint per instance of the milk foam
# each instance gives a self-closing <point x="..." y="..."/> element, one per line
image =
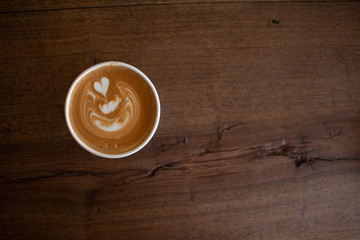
<point x="113" y="112"/>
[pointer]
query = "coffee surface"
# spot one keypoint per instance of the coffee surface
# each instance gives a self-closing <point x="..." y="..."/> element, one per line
<point x="112" y="109"/>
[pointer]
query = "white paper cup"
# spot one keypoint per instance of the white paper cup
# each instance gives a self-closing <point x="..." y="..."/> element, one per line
<point x="93" y="151"/>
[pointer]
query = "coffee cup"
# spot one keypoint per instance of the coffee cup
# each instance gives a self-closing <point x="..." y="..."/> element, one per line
<point x="112" y="109"/>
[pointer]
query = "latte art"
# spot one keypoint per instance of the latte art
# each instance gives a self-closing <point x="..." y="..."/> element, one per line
<point x="109" y="113"/>
<point x="112" y="109"/>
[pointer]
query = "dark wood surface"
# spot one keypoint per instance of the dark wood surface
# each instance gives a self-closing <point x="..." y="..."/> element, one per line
<point x="259" y="135"/>
<point x="41" y="5"/>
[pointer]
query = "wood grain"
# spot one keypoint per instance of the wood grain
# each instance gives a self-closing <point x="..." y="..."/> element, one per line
<point x="41" y="5"/>
<point x="259" y="134"/>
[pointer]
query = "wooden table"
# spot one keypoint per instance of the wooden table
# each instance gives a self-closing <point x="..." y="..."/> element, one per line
<point x="259" y="135"/>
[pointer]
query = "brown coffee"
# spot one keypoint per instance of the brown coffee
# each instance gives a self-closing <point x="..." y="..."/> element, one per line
<point x="112" y="109"/>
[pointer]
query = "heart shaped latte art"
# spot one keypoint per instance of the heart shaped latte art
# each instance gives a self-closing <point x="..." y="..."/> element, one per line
<point x="103" y="86"/>
<point x="121" y="106"/>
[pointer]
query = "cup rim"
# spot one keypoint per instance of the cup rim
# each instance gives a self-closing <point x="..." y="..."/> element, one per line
<point x="67" y="104"/>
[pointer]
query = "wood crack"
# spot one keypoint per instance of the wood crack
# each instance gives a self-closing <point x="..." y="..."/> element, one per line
<point x="152" y="172"/>
<point x="300" y="153"/>
<point x="226" y="127"/>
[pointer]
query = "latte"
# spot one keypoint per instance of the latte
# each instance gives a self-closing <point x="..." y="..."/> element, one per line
<point x="112" y="109"/>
